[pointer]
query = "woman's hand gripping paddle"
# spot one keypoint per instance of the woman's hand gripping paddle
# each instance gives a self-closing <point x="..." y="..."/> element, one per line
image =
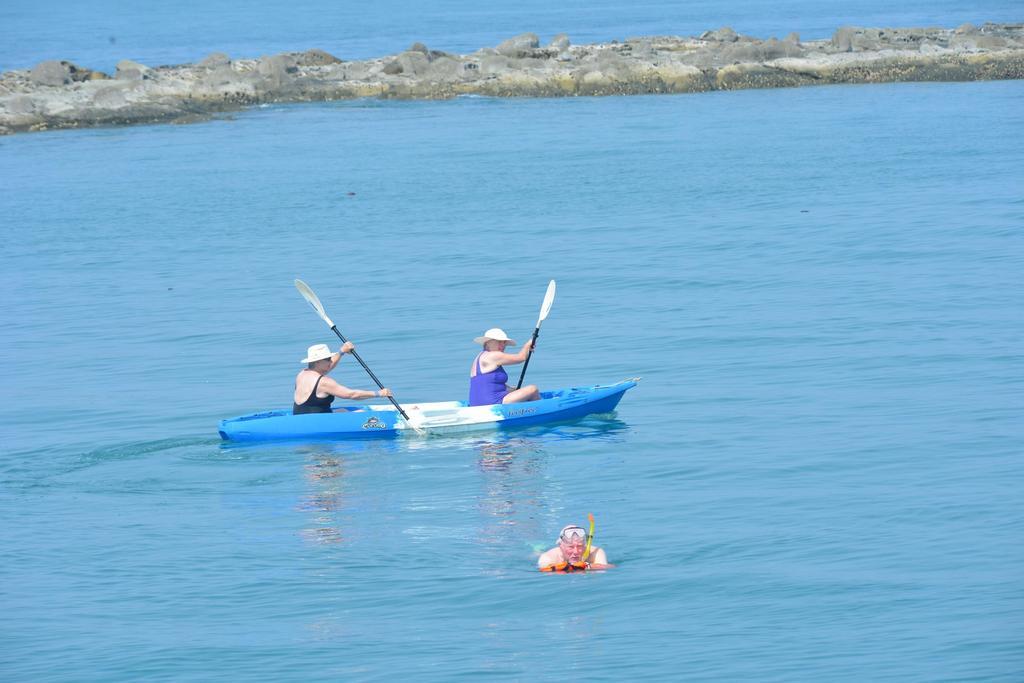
<point x="314" y="301"/>
<point x="545" y="308"/>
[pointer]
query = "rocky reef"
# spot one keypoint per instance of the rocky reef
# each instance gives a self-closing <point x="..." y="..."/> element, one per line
<point x="58" y="94"/>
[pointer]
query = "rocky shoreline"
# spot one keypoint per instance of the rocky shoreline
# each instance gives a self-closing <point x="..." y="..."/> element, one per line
<point x="58" y="94"/>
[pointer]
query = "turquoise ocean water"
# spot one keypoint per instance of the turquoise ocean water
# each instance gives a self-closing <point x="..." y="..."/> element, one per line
<point x="818" y="477"/>
<point x="99" y="33"/>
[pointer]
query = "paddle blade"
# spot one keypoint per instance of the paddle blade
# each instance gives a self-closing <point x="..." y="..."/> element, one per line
<point x="314" y="301"/>
<point x="549" y="298"/>
<point x="416" y="421"/>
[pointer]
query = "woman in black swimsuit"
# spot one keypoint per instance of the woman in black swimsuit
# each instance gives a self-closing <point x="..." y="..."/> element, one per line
<point x="315" y="391"/>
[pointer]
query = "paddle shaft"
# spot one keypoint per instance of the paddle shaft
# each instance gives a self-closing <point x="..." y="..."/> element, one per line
<point x="369" y="372"/>
<point x="545" y="308"/>
<point x="526" y="364"/>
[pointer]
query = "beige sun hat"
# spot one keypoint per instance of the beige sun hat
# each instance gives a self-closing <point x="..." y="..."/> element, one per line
<point x="317" y="352"/>
<point x="496" y="334"/>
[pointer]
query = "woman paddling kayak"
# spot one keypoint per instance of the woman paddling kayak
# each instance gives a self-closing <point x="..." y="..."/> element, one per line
<point x="487" y="377"/>
<point x="315" y="391"/>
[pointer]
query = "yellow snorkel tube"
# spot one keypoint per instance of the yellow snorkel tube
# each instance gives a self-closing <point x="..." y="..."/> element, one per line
<point x="590" y="536"/>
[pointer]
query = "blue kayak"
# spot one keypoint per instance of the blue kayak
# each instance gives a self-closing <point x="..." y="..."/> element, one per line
<point x="383" y="421"/>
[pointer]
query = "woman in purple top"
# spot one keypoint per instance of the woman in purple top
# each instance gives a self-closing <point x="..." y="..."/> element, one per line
<point x="487" y="377"/>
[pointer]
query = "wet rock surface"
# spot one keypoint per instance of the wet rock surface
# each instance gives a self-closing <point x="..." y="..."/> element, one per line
<point x="59" y="94"/>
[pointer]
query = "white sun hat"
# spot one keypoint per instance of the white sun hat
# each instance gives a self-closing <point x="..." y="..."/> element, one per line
<point x="317" y="352"/>
<point x="496" y="334"/>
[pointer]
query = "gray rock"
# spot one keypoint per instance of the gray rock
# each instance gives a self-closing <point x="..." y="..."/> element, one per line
<point x="966" y="28"/>
<point x="418" y="47"/>
<point x="277" y="67"/>
<point x="641" y="47"/>
<point x="776" y="49"/>
<point x="842" y="39"/>
<point x="559" y="42"/>
<point x="607" y="57"/>
<point x="986" y="42"/>
<point x="530" y="64"/>
<point x="493" y="65"/>
<point x="867" y="39"/>
<point x="988" y="37"/>
<point x="111" y="97"/>
<point x="793" y="38"/>
<point x="51" y="73"/>
<point x="742" y="52"/>
<point x="22" y="104"/>
<point x="393" y="68"/>
<point x="314" y="58"/>
<point x="221" y="75"/>
<point x="856" y="39"/>
<point x="520" y="46"/>
<point x="413" y="63"/>
<point x="722" y="35"/>
<point x="127" y="70"/>
<point x="445" y="68"/>
<point x="359" y="71"/>
<point x="215" y="59"/>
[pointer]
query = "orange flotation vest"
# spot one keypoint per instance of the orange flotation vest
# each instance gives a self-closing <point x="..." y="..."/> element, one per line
<point x="566" y="567"/>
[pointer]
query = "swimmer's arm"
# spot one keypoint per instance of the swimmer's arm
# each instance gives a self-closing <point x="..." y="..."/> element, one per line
<point x="549" y="558"/>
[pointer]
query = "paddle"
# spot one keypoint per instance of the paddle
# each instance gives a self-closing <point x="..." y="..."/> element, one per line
<point x="545" y="308"/>
<point x="314" y="301"/>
